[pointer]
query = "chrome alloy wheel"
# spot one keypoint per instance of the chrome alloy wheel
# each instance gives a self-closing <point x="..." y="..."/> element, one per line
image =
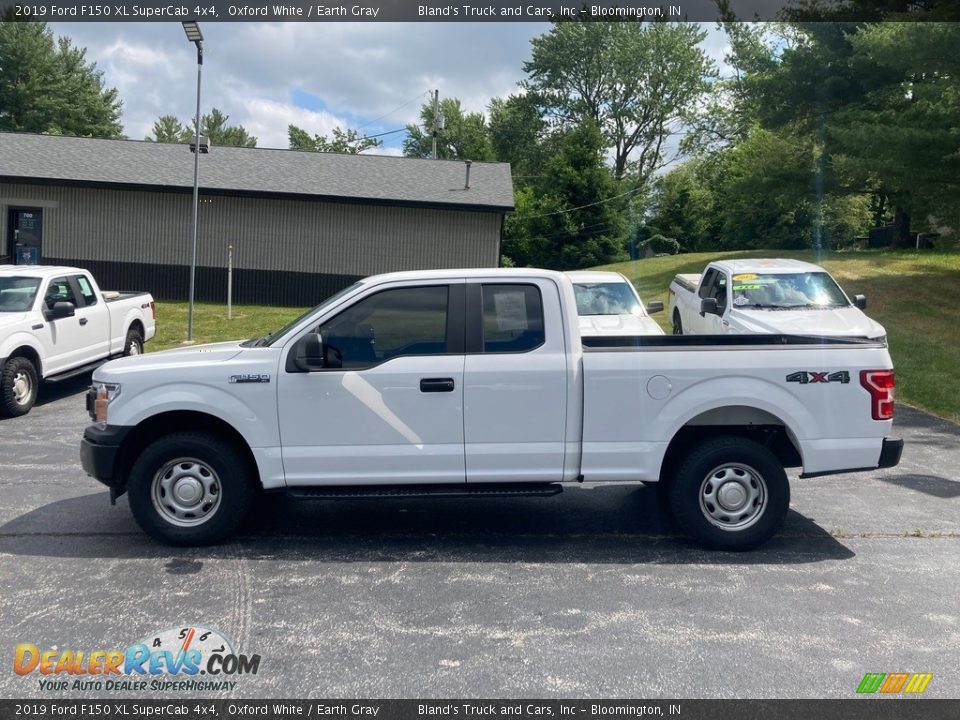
<point x="133" y="348"/>
<point x="22" y="388"/>
<point x="186" y="492"/>
<point x="733" y="496"/>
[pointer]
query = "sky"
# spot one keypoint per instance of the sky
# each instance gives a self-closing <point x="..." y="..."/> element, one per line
<point x="373" y="77"/>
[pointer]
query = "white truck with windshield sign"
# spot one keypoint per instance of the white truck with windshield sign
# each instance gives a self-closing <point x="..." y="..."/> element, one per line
<point x="767" y="296"/>
<point x="608" y="304"/>
<point x="56" y="323"/>
<point x="476" y="383"/>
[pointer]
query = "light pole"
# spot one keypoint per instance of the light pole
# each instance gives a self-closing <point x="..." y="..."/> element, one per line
<point x="192" y="29"/>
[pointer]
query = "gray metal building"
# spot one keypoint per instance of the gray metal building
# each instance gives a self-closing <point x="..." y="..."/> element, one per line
<point x="302" y="224"/>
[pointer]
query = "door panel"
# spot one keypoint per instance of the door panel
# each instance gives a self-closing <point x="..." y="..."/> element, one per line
<point x="515" y="390"/>
<point x="388" y="408"/>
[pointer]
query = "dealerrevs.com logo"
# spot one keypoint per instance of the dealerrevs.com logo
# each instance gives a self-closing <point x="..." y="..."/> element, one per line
<point x="187" y="659"/>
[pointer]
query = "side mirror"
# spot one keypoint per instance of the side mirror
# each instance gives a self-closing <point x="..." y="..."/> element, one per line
<point x="308" y="353"/>
<point x="61" y="310"/>
<point x="708" y="306"/>
<point x="654" y="307"/>
<point x="860" y="301"/>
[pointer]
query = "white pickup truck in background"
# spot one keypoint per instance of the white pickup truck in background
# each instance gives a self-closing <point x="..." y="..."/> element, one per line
<point x="790" y="297"/>
<point x="609" y="304"/>
<point x="476" y="383"/>
<point x="56" y="323"/>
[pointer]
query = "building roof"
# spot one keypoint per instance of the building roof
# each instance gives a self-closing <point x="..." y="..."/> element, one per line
<point x="255" y="171"/>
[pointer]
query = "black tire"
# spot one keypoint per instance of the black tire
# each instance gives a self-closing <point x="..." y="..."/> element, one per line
<point x="677" y="324"/>
<point x="133" y="344"/>
<point x="757" y="494"/>
<point x="18" y="387"/>
<point x="224" y="500"/>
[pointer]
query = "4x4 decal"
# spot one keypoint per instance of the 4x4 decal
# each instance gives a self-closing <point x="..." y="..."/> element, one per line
<point x="805" y="377"/>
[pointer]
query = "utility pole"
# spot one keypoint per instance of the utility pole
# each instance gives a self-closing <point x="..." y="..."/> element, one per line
<point x="436" y="121"/>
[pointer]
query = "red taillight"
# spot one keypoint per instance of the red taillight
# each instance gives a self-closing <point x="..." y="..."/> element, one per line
<point x="153" y="309"/>
<point x="880" y="384"/>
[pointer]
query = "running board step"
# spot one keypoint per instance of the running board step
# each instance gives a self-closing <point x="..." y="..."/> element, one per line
<point x="426" y="491"/>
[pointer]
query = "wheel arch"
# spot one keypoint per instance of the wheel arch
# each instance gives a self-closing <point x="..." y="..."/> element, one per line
<point x="157" y="426"/>
<point x="745" y="421"/>
<point x="30" y="353"/>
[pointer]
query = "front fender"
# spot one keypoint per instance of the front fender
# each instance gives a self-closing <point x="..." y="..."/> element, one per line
<point x="18" y="340"/>
<point x="254" y="418"/>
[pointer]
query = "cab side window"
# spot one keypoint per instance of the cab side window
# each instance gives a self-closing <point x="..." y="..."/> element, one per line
<point x="388" y="324"/>
<point x="512" y="318"/>
<point x="706" y="285"/>
<point x="719" y="290"/>
<point x="86" y="291"/>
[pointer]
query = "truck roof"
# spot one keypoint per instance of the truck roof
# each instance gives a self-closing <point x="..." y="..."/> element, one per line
<point x="767" y="265"/>
<point x="596" y="276"/>
<point x="505" y="273"/>
<point x="38" y="271"/>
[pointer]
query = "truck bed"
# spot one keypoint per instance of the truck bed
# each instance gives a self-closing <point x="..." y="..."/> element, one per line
<point x="688" y="281"/>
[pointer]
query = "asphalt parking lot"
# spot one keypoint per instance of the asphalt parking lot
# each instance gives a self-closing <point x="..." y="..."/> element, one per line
<point x="588" y="594"/>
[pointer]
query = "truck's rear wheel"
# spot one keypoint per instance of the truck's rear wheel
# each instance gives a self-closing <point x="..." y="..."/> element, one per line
<point x="133" y="345"/>
<point x="730" y="493"/>
<point x="190" y="488"/>
<point x="18" y="387"/>
<point x="677" y="324"/>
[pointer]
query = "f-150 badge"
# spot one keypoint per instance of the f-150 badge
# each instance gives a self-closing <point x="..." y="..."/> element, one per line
<point x="250" y="378"/>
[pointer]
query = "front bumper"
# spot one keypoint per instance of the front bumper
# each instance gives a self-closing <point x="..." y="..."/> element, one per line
<point x="99" y="451"/>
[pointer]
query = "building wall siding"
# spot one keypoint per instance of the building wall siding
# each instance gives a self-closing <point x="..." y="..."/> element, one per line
<point x="274" y="240"/>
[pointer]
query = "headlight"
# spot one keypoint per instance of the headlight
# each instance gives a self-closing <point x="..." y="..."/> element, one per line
<point x="104" y="394"/>
<point x="880" y="339"/>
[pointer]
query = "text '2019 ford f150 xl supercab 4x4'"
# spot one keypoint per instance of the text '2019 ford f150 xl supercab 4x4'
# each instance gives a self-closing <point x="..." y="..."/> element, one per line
<point x="477" y="382"/>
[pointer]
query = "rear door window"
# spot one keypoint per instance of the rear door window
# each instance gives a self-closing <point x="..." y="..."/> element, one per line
<point x="512" y="318"/>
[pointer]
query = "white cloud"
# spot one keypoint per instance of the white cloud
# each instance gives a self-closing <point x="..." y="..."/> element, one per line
<point x="374" y="76"/>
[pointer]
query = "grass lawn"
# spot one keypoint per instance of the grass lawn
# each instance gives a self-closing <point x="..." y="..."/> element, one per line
<point x="210" y="323"/>
<point x="914" y="295"/>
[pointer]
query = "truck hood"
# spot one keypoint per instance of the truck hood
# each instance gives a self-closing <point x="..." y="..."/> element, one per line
<point x="179" y="357"/>
<point x="839" y="322"/>
<point x="11" y="319"/>
<point x="596" y="325"/>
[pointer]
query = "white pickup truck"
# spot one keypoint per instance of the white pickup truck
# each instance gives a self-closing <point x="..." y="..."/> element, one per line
<point x="767" y="296"/>
<point x="476" y="383"/>
<point x="56" y="323"/>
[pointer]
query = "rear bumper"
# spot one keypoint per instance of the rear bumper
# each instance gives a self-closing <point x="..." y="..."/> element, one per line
<point x="890" y="453"/>
<point x="99" y="450"/>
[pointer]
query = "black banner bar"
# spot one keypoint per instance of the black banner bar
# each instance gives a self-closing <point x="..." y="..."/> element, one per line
<point x="471" y="11"/>
<point x="872" y="708"/>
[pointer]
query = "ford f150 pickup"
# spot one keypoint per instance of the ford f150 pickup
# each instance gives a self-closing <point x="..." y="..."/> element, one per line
<point x="609" y="304"/>
<point x="56" y="323"/>
<point x="767" y="296"/>
<point x="477" y="383"/>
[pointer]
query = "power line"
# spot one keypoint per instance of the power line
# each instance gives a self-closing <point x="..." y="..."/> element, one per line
<point x="400" y="107"/>
<point x="581" y="207"/>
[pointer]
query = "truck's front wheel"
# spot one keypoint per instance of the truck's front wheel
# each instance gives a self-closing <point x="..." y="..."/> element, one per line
<point x="189" y="489"/>
<point x="19" y="387"/>
<point x="730" y="493"/>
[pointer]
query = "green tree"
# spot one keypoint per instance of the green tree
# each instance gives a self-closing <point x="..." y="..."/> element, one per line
<point x="570" y="217"/>
<point x="461" y="136"/>
<point x="48" y="86"/>
<point x="640" y="83"/>
<point x="343" y="141"/>
<point x="212" y="125"/>
<point x="167" y="129"/>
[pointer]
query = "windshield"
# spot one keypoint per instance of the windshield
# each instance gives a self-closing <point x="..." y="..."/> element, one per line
<point x="614" y="298"/>
<point x="272" y="338"/>
<point x="787" y="291"/>
<point x="17" y="293"/>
